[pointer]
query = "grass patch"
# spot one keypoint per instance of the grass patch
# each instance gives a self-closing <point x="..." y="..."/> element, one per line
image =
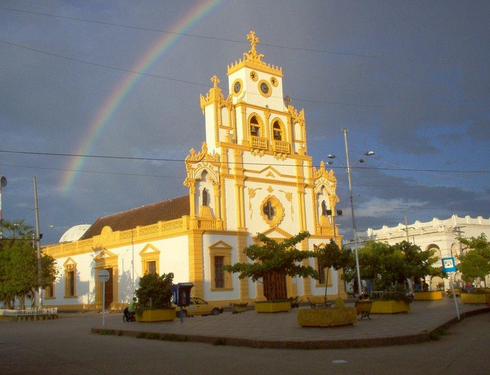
<point x="152" y="336"/>
<point x="141" y="335"/>
<point x="107" y="332"/>
<point x="173" y="337"/>
<point x="437" y="334"/>
<point x="219" y="341"/>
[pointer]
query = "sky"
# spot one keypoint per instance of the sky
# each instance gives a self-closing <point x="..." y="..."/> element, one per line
<point x="409" y="80"/>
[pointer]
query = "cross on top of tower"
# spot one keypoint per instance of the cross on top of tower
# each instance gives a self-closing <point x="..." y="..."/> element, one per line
<point x="252" y="54"/>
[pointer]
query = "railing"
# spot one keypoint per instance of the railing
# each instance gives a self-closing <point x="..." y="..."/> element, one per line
<point x="29" y="312"/>
<point x="281" y="146"/>
<point x="259" y="142"/>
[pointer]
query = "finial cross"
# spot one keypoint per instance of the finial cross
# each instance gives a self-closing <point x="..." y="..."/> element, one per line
<point x="253" y="41"/>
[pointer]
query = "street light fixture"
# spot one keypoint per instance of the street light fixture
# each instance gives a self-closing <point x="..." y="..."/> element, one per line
<point x="348" y="168"/>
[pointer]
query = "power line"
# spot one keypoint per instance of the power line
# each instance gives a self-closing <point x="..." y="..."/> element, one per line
<point x="182" y="80"/>
<point x="379" y="106"/>
<point x="133" y="158"/>
<point x="359" y="55"/>
<point x="103" y="65"/>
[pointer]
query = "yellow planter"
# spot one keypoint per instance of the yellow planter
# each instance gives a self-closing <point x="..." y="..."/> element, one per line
<point x="428" y="296"/>
<point x="156" y="315"/>
<point x="272" y="306"/>
<point x="475" y="298"/>
<point x="389" y="307"/>
<point x="327" y="317"/>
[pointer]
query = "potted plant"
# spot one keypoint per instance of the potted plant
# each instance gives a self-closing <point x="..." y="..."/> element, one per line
<point x="154" y="298"/>
<point x="329" y="256"/>
<point x="475" y="266"/>
<point x="272" y="262"/>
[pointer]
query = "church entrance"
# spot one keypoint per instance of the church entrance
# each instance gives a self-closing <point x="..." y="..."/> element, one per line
<point x="275" y="287"/>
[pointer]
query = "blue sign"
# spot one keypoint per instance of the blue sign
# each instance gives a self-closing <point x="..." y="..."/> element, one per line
<point x="448" y="264"/>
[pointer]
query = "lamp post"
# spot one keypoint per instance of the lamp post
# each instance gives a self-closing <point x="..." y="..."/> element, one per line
<point x="38" y="247"/>
<point x="349" y="179"/>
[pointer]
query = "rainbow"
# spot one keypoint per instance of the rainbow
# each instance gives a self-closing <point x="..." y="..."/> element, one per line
<point x="110" y="106"/>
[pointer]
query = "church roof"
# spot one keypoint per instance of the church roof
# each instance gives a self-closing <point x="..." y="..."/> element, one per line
<point x="146" y="215"/>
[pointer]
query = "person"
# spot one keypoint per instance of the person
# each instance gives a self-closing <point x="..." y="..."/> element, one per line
<point x="132" y="305"/>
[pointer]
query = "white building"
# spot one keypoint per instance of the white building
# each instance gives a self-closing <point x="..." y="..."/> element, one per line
<point x="252" y="175"/>
<point x="439" y="235"/>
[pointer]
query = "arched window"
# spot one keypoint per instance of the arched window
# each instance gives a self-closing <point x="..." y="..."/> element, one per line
<point x="277" y="131"/>
<point x="254" y="127"/>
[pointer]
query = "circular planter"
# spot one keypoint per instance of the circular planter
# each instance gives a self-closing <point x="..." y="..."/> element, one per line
<point x="272" y="306"/>
<point x="475" y="298"/>
<point x="333" y="317"/>
<point x="428" y="296"/>
<point x="390" y="307"/>
<point x="156" y="315"/>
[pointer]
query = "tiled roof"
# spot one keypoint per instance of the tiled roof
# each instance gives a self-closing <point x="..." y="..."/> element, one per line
<point x="146" y="215"/>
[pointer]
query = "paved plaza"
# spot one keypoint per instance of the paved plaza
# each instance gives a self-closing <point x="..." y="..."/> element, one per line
<point x="281" y="330"/>
<point x="67" y="346"/>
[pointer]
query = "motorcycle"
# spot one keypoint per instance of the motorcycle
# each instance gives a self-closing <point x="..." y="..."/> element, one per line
<point x="128" y="316"/>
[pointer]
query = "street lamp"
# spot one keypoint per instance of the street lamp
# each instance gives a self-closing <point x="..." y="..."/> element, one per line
<point x="348" y="168"/>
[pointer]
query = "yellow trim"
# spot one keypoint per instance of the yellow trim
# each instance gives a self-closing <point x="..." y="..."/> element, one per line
<point x="220" y="248"/>
<point x="254" y="76"/>
<point x="70" y="266"/>
<point x="274" y="81"/>
<point x="234" y="93"/>
<point x="106" y="260"/>
<point x="269" y="87"/>
<point x="196" y="272"/>
<point x="150" y="256"/>
<point x="241" y="244"/>
<point x="277" y="206"/>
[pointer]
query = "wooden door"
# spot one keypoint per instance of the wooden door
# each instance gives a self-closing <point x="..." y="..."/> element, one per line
<point x="109" y="292"/>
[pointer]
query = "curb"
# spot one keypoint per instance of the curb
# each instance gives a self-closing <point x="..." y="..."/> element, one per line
<point x="320" y="344"/>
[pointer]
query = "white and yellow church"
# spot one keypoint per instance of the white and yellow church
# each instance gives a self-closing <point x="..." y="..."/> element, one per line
<point x="252" y="175"/>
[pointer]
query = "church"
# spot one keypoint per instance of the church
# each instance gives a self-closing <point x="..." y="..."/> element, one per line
<point x="251" y="175"/>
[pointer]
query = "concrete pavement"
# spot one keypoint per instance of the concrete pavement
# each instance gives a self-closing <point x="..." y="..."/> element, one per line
<point x="281" y="330"/>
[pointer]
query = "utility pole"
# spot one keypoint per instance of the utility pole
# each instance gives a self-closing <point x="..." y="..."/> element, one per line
<point x="359" y="282"/>
<point x="38" y="248"/>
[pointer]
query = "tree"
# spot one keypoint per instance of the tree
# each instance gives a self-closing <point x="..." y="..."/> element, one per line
<point x="155" y="291"/>
<point x="19" y="264"/>
<point x="475" y="264"/>
<point x="273" y="261"/>
<point x="331" y="256"/>
<point x="390" y="265"/>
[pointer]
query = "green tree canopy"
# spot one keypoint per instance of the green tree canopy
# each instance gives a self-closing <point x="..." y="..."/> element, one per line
<point x="388" y="265"/>
<point x="19" y="264"/>
<point x="475" y="264"/>
<point x="272" y="257"/>
<point x="155" y="291"/>
<point x="331" y="256"/>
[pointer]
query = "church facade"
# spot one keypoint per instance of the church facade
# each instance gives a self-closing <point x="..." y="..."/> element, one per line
<point x="252" y="175"/>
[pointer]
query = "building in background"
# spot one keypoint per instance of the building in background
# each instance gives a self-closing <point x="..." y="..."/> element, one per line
<point x="439" y="235"/>
<point x="252" y="175"/>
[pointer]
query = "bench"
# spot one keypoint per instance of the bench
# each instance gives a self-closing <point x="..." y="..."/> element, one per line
<point x="294" y="301"/>
<point x="239" y="307"/>
<point x="363" y="308"/>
